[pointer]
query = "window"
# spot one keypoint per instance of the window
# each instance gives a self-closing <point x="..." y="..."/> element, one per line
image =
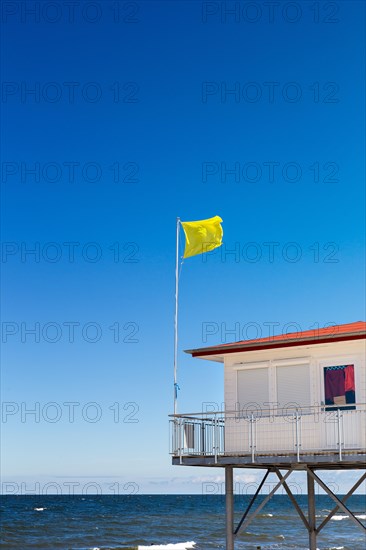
<point x="293" y="386"/>
<point x="339" y="387"/>
<point x="253" y="390"/>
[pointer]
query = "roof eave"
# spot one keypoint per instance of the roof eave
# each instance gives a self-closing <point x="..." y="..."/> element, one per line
<point x="257" y="346"/>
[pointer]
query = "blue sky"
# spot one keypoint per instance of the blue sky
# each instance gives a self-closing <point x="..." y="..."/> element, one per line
<point x="137" y="116"/>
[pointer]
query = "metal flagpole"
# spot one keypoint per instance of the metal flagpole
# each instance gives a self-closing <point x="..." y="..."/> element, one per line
<point x="176" y="319"/>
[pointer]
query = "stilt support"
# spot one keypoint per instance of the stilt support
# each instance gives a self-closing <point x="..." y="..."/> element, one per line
<point x="339" y="503"/>
<point x="229" y="493"/>
<point x="350" y="493"/>
<point x="251" y="503"/>
<point x="311" y="512"/>
<point x="309" y="522"/>
<point x="245" y="522"/>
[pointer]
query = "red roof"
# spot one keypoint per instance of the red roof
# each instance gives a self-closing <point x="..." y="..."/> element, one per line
<point x="336" y="333"/>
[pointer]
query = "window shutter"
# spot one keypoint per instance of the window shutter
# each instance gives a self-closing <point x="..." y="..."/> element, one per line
<point x="253" y="387"/>
<point x="293" y="385"/>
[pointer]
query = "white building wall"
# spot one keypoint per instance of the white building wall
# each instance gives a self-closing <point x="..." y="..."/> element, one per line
<point x="319" y="356"/>
<point x="275" y="433"/>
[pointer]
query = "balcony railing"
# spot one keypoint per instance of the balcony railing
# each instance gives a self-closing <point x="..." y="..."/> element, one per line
<point x="292" y="432"/>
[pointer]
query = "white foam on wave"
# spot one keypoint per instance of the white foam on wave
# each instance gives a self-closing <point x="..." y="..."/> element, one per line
<point x="171" y="546"/>
<point x="39" y="509"/>
<point x="338" y="517"/>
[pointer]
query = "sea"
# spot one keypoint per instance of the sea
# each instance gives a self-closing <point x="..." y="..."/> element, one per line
<point x="112" y="522"/>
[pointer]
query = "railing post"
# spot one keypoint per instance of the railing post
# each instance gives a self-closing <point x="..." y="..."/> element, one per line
<point x="252" y="446"/>
<point x="298" y="443"/>
<point x="181" y="438"/>
<point x="202" y="437"/>
<point x="339" y="419"/>
<point x="177" y="436"/>
<point x="215" y="437"/>
<point x="174" y="436"/>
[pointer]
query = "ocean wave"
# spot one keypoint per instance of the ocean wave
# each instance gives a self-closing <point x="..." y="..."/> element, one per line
<point x="339" y="517"/>
<point x="171" y="546"/>
<point x="125" y="523"/>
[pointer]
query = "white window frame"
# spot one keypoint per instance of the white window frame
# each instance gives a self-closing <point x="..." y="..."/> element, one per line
<point x="334" y="361"/>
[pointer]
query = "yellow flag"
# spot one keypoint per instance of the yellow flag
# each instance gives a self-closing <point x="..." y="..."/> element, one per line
<point x="202" y="236"/>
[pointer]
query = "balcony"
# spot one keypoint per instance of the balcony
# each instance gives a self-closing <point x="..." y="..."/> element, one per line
<point x="319" y="435"/>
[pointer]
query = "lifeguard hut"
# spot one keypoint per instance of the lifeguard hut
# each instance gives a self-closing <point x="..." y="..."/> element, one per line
<point x="293" y="402"/>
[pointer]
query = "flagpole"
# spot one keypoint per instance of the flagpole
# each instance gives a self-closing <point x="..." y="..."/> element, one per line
<point x="176" y="319"/>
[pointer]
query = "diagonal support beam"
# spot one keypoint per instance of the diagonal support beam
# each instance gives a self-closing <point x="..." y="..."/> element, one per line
<point x="251" y="503"/>
<point x="293" y="500"/>
<point x="262" y="505"/>
<point x="336" y="499"/>
<point x="336" y="508"/>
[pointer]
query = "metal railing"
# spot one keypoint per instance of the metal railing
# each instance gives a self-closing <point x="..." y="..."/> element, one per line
<point x="294" y="431"/>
